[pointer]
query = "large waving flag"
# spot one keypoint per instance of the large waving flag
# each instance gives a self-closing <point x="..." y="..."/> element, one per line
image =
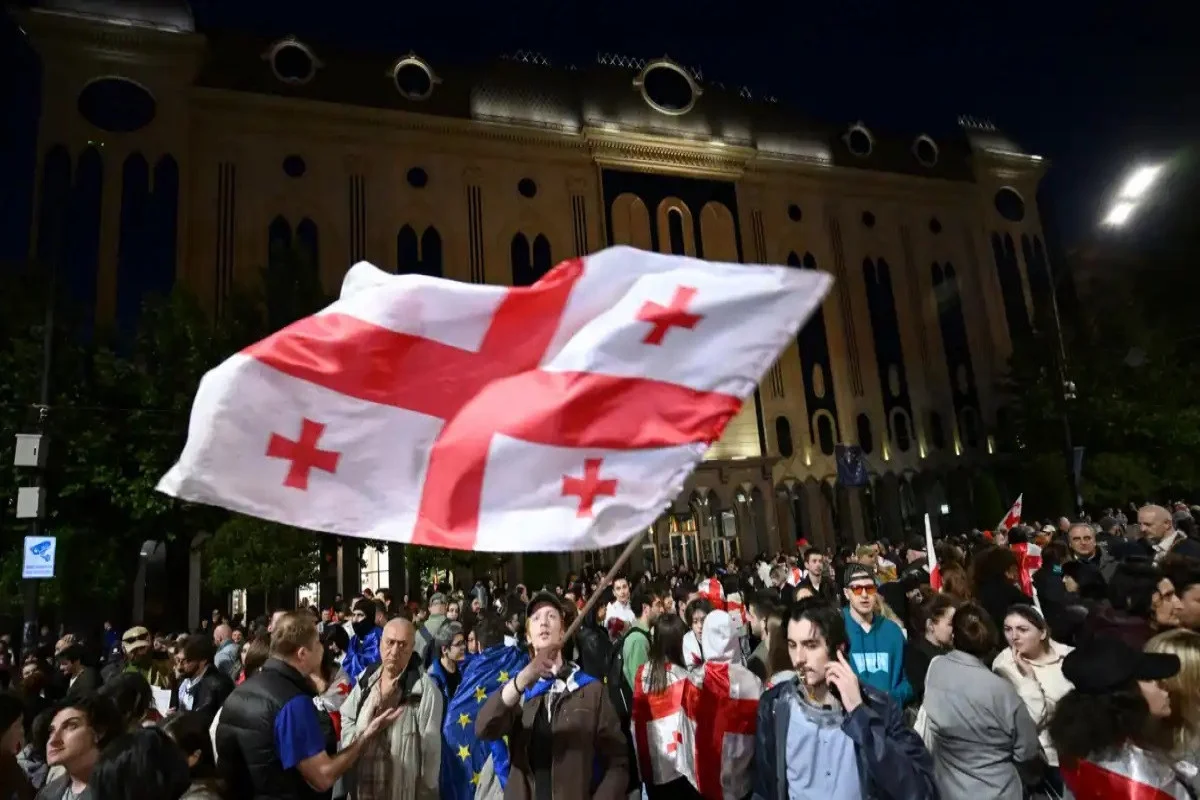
<point x="561" y="416"/>
<point x="482" y="675"/>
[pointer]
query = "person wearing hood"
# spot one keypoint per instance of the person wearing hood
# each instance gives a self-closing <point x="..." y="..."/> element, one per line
<point x="363" y="650"/>
<point x="876" y="643"/>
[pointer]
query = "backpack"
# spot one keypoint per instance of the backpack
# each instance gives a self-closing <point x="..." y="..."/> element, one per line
<point x="614" y="677"/>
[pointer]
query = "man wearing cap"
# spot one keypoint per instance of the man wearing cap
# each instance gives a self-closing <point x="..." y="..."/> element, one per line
<point x="876" y="643"/>
<point x="551" y="702"/>
<point x="141" y="658"/>
<point x="1103" y="728"/>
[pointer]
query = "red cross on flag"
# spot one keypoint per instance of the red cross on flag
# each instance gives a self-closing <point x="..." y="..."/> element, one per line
<point x="561" y="416"/>
<point x="701" y="726"/>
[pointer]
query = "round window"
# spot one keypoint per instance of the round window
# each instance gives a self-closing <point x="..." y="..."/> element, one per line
<point x="117" y="105"/>
<point x="417" y="178"/>
<point x="413" y="78"/>
<point x="1009" y="204"/>
<point x="868" y="219"/>
<point x="292" y="62"/>
<point x="294" y="166"/>
<point x="794" y="213"/>
<point x="667" y="87"/>
<point x="859" y="141"/>
<point x="925" y="151"/>
<point x="526" y="187"/>
<point x="934" y="225"/>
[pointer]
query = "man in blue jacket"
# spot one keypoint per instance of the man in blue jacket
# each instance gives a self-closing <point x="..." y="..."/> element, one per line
<point x="826" y="736"/>
<point x="876" y="643"/>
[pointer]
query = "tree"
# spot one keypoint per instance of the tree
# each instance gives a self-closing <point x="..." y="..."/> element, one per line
<point x="249" y="553"/>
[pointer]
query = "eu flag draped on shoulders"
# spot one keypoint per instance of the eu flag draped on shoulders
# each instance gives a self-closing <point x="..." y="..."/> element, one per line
<point x="464" y="757"/>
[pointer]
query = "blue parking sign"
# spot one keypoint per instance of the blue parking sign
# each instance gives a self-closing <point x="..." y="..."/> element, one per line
<point x="39" y="557"/>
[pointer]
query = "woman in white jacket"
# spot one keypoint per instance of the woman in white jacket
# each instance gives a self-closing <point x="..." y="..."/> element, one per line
<point x="1032" y="663"/>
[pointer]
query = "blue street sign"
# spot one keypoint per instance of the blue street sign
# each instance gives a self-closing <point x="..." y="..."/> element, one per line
<point x="39" y="557"/>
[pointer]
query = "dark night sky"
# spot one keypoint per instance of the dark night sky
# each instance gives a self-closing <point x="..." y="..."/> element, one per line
<point x="1093" y="94"/>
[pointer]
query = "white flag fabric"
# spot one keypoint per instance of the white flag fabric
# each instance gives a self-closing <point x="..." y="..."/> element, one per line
<point x="561" y="416"/>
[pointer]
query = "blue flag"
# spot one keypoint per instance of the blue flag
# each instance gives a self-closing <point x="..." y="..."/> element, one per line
<point x="465" y="754"/>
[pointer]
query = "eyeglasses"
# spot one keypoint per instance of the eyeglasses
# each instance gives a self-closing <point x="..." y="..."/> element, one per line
<point x="869" y="589"/>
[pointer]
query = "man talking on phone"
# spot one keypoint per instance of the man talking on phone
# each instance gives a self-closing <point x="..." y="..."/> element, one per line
<point x="825" y="735"/>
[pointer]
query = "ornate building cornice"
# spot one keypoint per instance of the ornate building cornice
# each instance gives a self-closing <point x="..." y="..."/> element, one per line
<point x="660" y="154"/>
<point x="68" y="35"/>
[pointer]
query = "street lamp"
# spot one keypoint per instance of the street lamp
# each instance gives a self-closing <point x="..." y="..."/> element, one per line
<point x="1130" y="195"/>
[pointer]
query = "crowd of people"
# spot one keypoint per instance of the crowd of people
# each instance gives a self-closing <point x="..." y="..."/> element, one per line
<point x="1051" y="661"/>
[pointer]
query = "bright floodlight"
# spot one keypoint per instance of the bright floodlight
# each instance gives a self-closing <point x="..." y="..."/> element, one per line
<point x="1139" y="182"/>
<point x="1119" y="213"/>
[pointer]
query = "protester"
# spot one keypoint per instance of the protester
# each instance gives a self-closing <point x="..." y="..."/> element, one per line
<point x="532" y="709"/>
<point x="79" y="730"/>
<point x="826" y="735"/>
<point x="1111" y="731"/>
<point x="876" y="643"/>
<point x="144" y="764"/>
<point x="935" y="621"/>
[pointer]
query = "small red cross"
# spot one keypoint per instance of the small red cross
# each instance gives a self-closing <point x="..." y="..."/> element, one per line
<point x="589" y="487"/>
<point x="663" y="318"/>
<point x="304" y="454"/>
<point x="499" y="389"/>
<point x="673" y="746"/>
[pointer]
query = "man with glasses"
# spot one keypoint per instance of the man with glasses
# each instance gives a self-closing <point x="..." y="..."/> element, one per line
<point x="140" y="657"/>
<point x="876" y="643"/>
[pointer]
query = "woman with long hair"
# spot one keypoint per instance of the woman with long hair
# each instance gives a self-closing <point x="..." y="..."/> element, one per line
<point x="779" y="660"/>
<point x="1032" y="663"/>
<point x="1184" y="689"/>
<point x="693" y="616"/>
<point x="663" y="670"/>
<point x="934" y="619"/>
<point x="1111" y="731"/>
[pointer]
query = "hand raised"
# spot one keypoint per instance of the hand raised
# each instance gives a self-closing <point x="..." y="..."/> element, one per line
<point x="841" y="674"/>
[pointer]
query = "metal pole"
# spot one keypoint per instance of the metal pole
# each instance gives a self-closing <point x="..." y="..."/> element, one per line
<point x="1066" y="391"/>
<point x="29" y="637"/>
<point x="609" y="578"/>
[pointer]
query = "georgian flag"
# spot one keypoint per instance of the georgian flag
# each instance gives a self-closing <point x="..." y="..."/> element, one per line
<point x="561" y="416"/>
<point x="1013" y="518"/>
<point x="700" y="727"/>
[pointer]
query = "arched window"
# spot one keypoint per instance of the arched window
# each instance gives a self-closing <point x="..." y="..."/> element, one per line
<point x="431" y="253"/>
<point x="522" y="261"/>
<point x="825" y="434"/>
<point x="542" y="261"/>
<point x="675" y="231"/>
<point x="865" y="440"/>
<point x="166" y="225"/>
<point x="408" y="258"/>
<point x="307" y="244"/>
<point x="279" y="240"/>
<point x="783" y="437"/>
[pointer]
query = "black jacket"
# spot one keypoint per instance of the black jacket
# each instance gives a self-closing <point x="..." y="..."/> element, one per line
<point x="86" y="684"/>
<point x="210" y="693"/>
<point x="893" y="763"/>
<point x="246" y="754"/>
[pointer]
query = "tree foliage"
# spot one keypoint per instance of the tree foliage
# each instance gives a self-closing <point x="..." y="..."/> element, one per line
<point x="1134" y="408"/>
<point x="117" y="420"/>
<point x="252" y="554"/>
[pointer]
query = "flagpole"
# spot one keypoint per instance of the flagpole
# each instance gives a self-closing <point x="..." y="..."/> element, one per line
<point x="609" y="578"/>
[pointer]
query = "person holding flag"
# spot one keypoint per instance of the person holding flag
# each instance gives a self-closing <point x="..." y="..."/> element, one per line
<point x="564" y="736"/>
<point x="472" y="768"/>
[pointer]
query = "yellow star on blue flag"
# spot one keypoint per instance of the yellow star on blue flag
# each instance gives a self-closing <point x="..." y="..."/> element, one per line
<point x="464" y="754"/>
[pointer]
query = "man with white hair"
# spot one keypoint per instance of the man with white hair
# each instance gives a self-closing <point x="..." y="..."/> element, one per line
<point x="228" y="658"/>
<point x="405" y="760"/>
<point x="1159" y="532"/>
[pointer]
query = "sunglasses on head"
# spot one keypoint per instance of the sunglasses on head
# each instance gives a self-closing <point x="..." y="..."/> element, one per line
<point x="864" y="588"/>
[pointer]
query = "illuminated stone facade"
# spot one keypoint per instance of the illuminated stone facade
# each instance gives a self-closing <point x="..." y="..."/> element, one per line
<point x="494" y="175"/>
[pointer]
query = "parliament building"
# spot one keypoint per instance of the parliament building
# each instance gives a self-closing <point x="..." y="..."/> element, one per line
<point x="169" y="157"/>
